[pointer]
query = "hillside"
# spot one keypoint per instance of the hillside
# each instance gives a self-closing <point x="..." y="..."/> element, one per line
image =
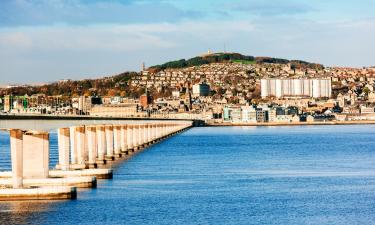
<point x="231" y="57"/>
<point x="121" y="84"/>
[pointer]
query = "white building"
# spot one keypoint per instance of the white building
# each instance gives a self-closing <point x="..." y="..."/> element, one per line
<point x="281" y="88"/>
<point x="248" y="114"/>
<point x="201" y="89"/>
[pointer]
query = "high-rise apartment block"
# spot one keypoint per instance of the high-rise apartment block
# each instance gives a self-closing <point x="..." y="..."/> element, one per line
<point x="283" y="88"/>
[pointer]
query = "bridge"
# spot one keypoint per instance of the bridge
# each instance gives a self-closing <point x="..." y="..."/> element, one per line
<point x="87" y="147"/>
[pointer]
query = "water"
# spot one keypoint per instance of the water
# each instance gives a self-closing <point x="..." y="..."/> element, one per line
<point x="227" y="175"/>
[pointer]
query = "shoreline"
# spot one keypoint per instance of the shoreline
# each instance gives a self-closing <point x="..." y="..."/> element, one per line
<point x="367" y="122"/>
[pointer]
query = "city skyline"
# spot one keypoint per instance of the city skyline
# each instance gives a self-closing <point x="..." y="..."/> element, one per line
<point x="43" y="41"/>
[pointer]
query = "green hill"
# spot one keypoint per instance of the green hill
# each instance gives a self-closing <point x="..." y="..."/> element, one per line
<point x="232" y="57"/>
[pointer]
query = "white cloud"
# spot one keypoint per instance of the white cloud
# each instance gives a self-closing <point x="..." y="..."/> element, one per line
<point x="56" y="52"/>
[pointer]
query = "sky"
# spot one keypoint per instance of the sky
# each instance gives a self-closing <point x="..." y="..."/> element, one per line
<point x="48" y="40"/>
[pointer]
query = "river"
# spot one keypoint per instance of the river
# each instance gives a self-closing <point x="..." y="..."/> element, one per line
<point x="226" y="175"/>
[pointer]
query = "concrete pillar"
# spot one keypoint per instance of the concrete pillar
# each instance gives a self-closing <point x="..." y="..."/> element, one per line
<point x="35" y="155"/>
<point x="129" y="137"/>
<point x="117" y="140"/>
<point x="63" y="140"/>
<point x="73" y="148"/>
<point x="145" y="134"/>
<point x="157" y="131"/>
<point x="124" y="147"/>
<point x="16" y="148"/>
<point x="161" y="130"/>
<point x="100" y="139"/>
<point x="135" y="137"/>
<point x="140" y="135"/>
<point x="109" y="142"/>
<point x="80" y="145"/>
<point x="165" y="129"/>
<point x="91" y="146"/>
<point x="149" y="133"/>
<point x="154" y="126"/>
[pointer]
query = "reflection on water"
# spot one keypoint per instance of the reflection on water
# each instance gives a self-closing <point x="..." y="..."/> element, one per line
<point x="25" y="212"/>
<point x="226" y="175"/>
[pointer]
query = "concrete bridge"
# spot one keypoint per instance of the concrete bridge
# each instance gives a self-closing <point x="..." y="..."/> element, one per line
<point x="87" y="147"/>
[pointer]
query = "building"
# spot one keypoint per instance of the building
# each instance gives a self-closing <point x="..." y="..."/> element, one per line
<point x="248" y="114"/>
<point x="8" y="103"/>
<point x="365" y="110"/>
<point x="118" y="110"/>
<point x="176" y="94"/>
<point x="284" y="88"/>
<point x="201" y="89"/>
<point x="232" y="114"/>
<point x="261" y="116"/>
<point x="84" y="104"/>
<point x="145" y="100"/>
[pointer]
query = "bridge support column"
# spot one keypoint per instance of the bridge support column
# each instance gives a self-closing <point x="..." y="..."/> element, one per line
<point x="149" y="133"/>
<point x="63" y="139"/>
<point x="16" y="147"/>
<point x="80" y="146"/>
<point x="164" y="129"/>
<point x="159" y="131"/>
<point x="117" y="140"/>
<point x="129" y="137"/>
<point x="140" y="136"/>
<point x="109" y="142"/>
<point x="35" y="155"/>
<point x="154" y="126"/>
<point x="135" y="137"/>
<point x="91" y="146"/>
<point x="73" y="145"/>
<point x="100" y="135"/>
<point x="124" y="148"/>
<point x="145" y="134"/>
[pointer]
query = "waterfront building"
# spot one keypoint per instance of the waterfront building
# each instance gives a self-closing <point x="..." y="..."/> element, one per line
<point x="232" y="114"/>
<point x="284" y="88"/>
<point x="118" y="110"/>
<point x="365" y="110"/>
<point x="248" y="114"/>
<point x="261" y="116"/>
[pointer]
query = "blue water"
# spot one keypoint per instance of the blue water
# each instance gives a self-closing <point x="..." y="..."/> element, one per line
<point x="227" y="175"/>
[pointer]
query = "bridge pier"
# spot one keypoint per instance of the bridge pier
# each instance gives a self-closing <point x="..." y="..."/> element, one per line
<point x="78" y="147"/>
<point x="30" y="158"/>
<point x="124" y="139"/>
<point x="129" y="138"/>
<point x="73" y="147"/>
<point x="91" y="145"/>
<point x="117" y="141"/>
<point x="145" y="135"/>
<point x="63" y="140"/>
<point x="135" y="137"/>
<point x="35" y="154"/>
<point x="109" y="142"/>
<point x="101" y="144"/>
<point x="16" y="147"/>
<point x="140" y="136"/>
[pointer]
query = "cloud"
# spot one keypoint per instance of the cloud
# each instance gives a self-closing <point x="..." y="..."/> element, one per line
<point x="270" y="8"/>
<point x="44" y="40"/>
<point x="57" y="52"/>
<point x="80" y="12"/>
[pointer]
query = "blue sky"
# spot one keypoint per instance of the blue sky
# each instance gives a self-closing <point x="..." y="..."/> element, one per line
<point x="48" y="40"/>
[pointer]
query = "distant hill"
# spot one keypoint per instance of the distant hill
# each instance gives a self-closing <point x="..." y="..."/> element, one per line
<point x="231" y="57"/>
<point x="120" y="84"/>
